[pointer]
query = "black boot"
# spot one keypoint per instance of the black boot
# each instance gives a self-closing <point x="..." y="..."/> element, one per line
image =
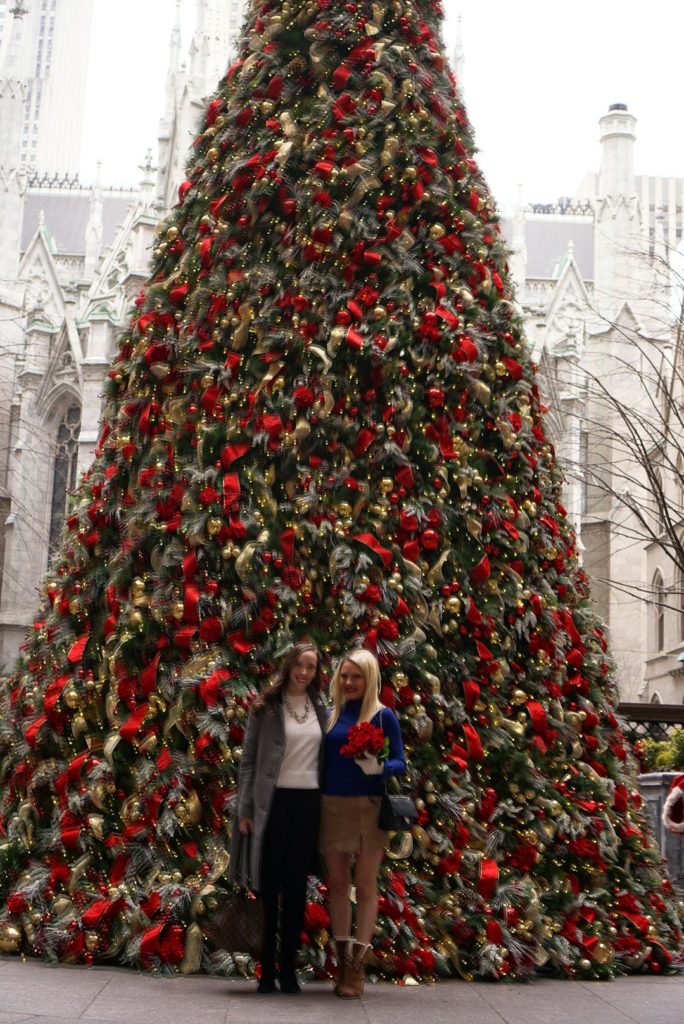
<point x="288" y="981"/>
<point x="291" y="930"/>
<point x="267" y="982"/>
<point x="287" y="975"/>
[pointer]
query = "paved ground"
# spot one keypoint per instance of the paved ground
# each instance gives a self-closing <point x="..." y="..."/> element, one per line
<point x="37" y="994"/>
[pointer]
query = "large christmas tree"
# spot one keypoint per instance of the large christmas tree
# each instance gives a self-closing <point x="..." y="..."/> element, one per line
<point x="323" y="421"/>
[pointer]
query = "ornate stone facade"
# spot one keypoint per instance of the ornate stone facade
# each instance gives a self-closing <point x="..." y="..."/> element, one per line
<point x="73" y="259"/>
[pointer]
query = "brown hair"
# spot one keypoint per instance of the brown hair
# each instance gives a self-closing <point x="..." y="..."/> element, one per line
<point x="272" y="694"/>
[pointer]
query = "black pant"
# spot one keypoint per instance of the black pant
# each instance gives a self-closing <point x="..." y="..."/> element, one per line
<point x="290" y="846"/>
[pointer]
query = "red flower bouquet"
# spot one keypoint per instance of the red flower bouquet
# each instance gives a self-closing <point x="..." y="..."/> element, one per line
<point x="366" y="740"/>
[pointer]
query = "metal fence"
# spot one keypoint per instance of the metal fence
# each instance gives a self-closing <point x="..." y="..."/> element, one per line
<point x="652" y="721"/>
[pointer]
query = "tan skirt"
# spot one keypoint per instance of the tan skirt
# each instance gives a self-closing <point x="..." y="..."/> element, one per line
<point x="349" y="824"/>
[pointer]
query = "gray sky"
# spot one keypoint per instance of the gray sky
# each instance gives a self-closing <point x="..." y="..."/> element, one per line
<point x="538" y="76"/>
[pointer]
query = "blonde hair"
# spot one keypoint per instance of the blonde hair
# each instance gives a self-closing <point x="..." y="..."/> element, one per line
<point x="370" y="668"/>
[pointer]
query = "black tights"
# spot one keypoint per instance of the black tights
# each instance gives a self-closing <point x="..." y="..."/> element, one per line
<point x="289" y="851"/>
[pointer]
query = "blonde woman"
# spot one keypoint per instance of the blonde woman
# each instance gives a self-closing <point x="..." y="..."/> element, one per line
<point x="351" y="841"/>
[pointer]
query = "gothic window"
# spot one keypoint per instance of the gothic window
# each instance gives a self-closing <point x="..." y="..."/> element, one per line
<point x="678" y="597"/>
<point x="659" y="499"/>
<point x="658" y="612"/>
<point x="680" y="483"/>
<point x="4" y="512"/>
<point x="656" y="698"/>
<point x="64" y="471"/>
<point x="584" y="470"/>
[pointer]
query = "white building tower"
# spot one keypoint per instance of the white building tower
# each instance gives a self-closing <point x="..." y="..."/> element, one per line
<point x="12" y="176"/>
<point x="54" y="63"/>
<point x="618" y="238"/>
<point x="217" y="25"/>
<point x="56" y="115"/>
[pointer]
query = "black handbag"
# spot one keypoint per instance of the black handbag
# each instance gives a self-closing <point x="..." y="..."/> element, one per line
<point x="397" y="813"/>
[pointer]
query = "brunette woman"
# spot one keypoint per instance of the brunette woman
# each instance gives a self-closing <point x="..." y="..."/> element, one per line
<point x="352" y="791"/>
<point x="278" y="806"/>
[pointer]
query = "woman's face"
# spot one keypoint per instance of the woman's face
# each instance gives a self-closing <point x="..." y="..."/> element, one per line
<point x="352" y="681"/>
<point x="302" y="672"/>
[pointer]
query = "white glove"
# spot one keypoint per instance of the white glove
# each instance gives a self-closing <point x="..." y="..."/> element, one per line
<point x="370" y="765"/>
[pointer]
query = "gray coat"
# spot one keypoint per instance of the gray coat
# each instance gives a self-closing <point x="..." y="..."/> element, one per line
<point x="263" y="748"/>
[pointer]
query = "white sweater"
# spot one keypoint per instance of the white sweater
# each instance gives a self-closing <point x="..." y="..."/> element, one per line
<point x="299" y="767"/>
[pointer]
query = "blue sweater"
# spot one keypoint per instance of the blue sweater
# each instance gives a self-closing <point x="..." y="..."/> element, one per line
<point x="341" y="775"/>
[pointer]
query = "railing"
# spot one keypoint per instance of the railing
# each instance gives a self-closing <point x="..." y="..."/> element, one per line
<point x="652" y="721"/>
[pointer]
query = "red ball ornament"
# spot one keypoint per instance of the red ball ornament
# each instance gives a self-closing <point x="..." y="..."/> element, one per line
<point x="435" y="398"/>
<point x="429" y="539"/>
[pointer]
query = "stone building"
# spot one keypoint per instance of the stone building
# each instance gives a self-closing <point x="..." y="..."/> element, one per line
<point x="593" y="281"/>
<point x="73" y="259"/>
<point x="54" y="66"/>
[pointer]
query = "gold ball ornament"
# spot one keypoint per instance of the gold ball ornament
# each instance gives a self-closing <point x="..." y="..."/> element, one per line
<point x="602" y="953"/>
<point x="214" y="526"/>
<point x="71" y="698"/>
<point x="10" y="938"/>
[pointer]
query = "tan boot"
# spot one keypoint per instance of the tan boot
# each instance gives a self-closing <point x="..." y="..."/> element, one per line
<point x="357" y="954"/>
<point x="341" y="956"/>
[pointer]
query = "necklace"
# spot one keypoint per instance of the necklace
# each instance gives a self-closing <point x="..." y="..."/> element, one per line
<point x="300" y="719"/>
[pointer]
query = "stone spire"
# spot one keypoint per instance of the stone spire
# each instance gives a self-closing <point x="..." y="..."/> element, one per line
<point x="618" y="135"/>
<point x="518" y="259"/>
<point x="175" y="88"/>
<point x="12" y="175"/>
<point x="459" y="56"/>
<point x="188" y="89"/>
<point x="94" y="228"/>
<point x="174" y="61"/>
<point x="210" y="46"/>
<point x="618" y="233"/>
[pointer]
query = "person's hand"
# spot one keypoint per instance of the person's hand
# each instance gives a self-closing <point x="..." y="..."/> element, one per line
<point x="246" y="825"/>
<point x="369" y="765"/>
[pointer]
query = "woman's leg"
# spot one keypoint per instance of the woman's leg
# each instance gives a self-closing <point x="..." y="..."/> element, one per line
<point x="366" y="872"/>
<point x="271" y="883"/>
<point x="339" y="886"/>
<point x="302" y="835"/>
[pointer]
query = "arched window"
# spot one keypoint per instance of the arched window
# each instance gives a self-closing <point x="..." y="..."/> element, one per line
<point x="659" y="499"/>
<point x="658" y="612"/>
<point x="678" y="599"/>
<point x="679" y="481"/>
<point x="656" y="698"/>
<point x="64" y="471"/>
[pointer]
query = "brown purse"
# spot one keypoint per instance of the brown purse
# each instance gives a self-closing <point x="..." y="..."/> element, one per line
<point x="237" y="924"/>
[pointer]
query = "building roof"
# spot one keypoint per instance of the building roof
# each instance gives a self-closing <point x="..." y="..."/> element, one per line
<point x="547" y="237"/>
<point x="66" y="214"/>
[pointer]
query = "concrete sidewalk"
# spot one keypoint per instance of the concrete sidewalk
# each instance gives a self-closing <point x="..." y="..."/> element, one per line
<point x="35" y="993"/>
